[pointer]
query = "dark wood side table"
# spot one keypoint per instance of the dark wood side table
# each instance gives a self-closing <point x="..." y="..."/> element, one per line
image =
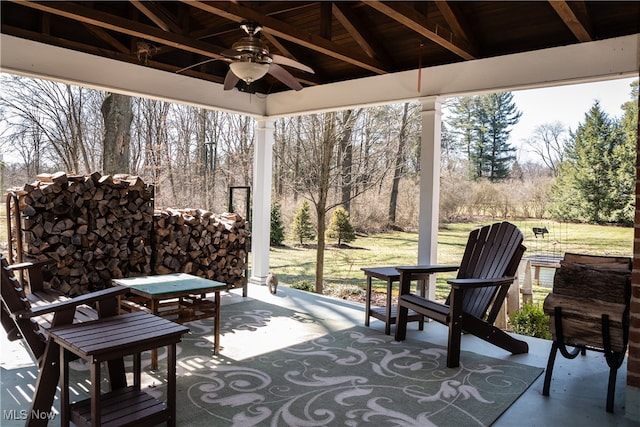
<point x="110" y="339"/>
<point x="388" y="313"/>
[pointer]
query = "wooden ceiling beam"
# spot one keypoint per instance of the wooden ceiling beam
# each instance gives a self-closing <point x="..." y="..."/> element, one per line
<point x="325" y="20"/>
<point x="278" y="45"/>
<point x="107" y="21"/>
<point x="237" y="13"/>
<point x="410" y="18"/>
<point x="157" y="16"/>
<point x="92" y="49"/>
<point x="347" y="19"/>
<point x="455" y="21"/>
<point x="577" y="23"/>
<point x="107" y="38"/>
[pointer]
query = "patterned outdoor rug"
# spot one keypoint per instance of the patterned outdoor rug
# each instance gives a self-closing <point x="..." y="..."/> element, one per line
<point x="351" y="377"/>
<point x="282" y="367"/>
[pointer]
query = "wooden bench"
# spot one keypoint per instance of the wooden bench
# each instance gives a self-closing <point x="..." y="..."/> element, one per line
<point x="537" y="262"/>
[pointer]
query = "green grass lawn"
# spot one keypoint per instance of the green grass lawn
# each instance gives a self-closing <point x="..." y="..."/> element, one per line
<point x="342" y="265"/>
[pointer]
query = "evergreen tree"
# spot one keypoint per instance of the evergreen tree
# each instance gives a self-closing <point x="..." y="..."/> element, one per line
<point x="592" y="185"/>
<point x="482" y="125"/>
<point x="340" y="227"/>
<point x="498" y="114"/>
<point x="302" y="228"/>
<point x="277" y="226"/>
<point x="624" y="176"/>
<point x="462" y="125"/>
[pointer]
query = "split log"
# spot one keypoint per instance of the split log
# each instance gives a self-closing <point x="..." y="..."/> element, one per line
<point x="100" y="227"/>
<point x="582" y="320"/>
<point x="589" y="276"/>
<point x="184" y="244"/>
<point x="68" y="214"/>
<point x="585" y="288"/>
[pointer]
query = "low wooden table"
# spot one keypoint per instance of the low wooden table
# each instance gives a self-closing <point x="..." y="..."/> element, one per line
<point x="108" y="340"/>
<point x="388" y="313"/>
<point x="179" y="296"/>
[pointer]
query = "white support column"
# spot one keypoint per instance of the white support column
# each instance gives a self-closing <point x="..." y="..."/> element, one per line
<point x="261" y="217"/>
<point x="429" y="184"/>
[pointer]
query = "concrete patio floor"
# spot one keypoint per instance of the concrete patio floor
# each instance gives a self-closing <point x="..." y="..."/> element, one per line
<point x="578" y="387"/>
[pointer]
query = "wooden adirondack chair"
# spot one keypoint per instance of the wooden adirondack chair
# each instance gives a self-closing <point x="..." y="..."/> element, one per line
<point x="30" y="314"/>
<point x="488" y="268"/>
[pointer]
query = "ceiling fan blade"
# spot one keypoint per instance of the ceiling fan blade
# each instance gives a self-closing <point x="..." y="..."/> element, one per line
<point x="283" y="60"/>
<point x="231" y="80"/>
<point x="284" y="76"/>
<point x="199" y="63"/>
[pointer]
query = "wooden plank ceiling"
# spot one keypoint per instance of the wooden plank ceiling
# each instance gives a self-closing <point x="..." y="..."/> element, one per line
<point x="339" y="40"/>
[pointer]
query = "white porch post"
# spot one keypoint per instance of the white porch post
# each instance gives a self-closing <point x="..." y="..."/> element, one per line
<point x="261" y="217"/>
<point x="429" y="184"/>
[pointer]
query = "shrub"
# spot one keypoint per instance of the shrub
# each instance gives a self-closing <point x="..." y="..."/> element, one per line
<point x="304" y="285"/>
<point x="344" y="291"/>
<point x="302" y="228"/>
<point x="340" y="227"/>
<point x="530" y="320"/>
<point x="277" y="227"/>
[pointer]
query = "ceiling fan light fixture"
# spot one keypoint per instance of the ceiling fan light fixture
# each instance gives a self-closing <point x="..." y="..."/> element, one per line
<point x="249" y="71"/>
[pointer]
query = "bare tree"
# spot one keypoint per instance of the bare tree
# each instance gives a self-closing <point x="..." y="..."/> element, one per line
<point x="280" y="146"/>
<point x="182" y="145"/>
<point x="320" y="138"/>
<point x="239" y="148"/>
<point x="407" y="131"/>
<point x="549" y="142"/>
<point x="27" y="143"/>
<point x="150" y="134"/>
<point x="209" y="131"/>
<point x="191" y="155"/>
<point x="345" y="156"/>
<point x="53" y="121"/>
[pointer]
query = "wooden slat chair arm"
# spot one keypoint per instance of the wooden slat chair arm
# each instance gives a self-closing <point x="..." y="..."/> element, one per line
<point x="34" y="270"/>
<point x="30" y="264"/>
<point x="427" y="269"/>
<point x="411" y="272"/>
<point x="86" y="299"/>
<point x="480" y="283"/>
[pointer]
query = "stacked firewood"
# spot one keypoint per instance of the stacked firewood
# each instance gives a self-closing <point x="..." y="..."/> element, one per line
<point x="102" y="227"/>
<point x="586" y="288"/>
<point x="96" y="227"/>
<point x="199" y="242"/>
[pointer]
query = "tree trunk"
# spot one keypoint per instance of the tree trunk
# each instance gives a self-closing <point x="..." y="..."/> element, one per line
<point x="402" y="140"/>
<point x="320" y="250"/>
<point x="118" y="115"/>
<point x="202" y="166"/>
<point x="297" y="160"/>
<point x="278" y="170"/>
<point x="346" y="148"/>
<point x="328" y="144"/>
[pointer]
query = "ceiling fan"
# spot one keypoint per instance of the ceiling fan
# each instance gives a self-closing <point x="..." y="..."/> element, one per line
<point x="249" y="60"/>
